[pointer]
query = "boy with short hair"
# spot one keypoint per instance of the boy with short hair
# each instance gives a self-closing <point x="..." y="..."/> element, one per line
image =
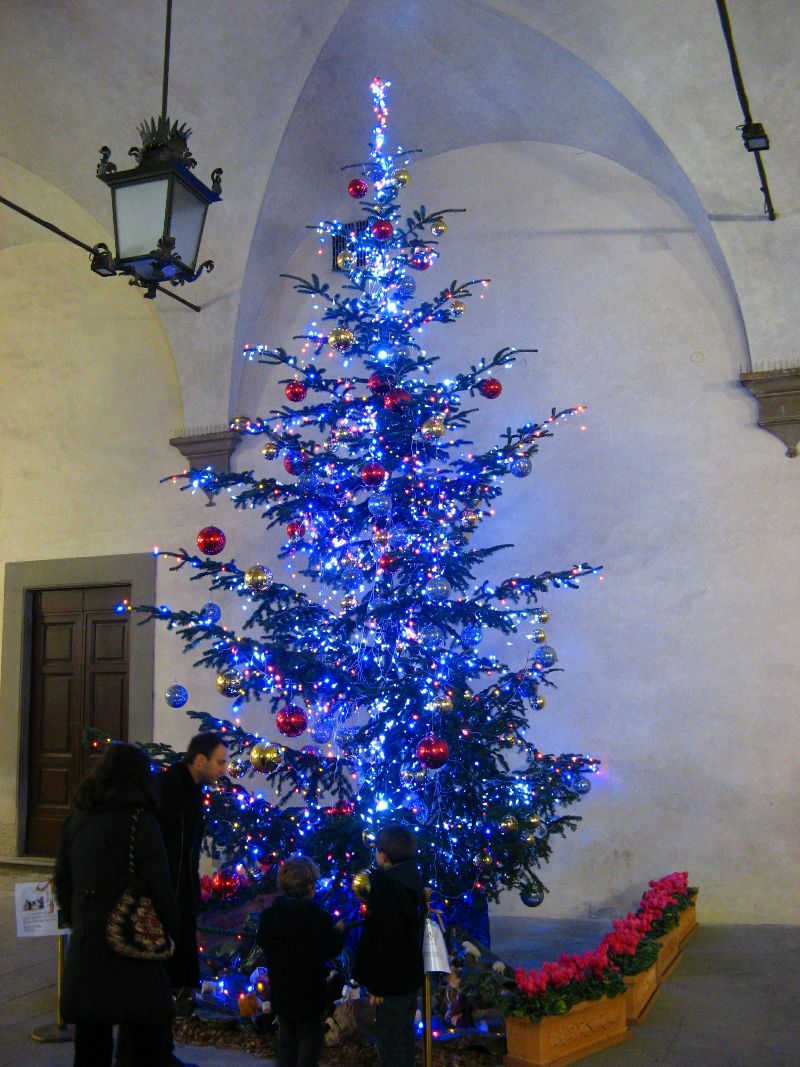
<point x="389" y="957"/>
<point x="298" y="937"/>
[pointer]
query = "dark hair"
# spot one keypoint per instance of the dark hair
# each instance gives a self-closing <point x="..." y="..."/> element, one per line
<point x="396" y="842"/>
<point x="121" y="779"/>
<point x="298" y="876"/>
<point x="203" y="745"/>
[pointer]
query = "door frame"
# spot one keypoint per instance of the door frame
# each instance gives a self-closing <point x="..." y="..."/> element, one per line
<point x="21" y="581"/>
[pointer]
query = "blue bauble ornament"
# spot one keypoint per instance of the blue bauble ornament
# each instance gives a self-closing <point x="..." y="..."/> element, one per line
<point x="322" y="731"/>
<point x="520" y="466"/>
<point x="350" y="576"/>
<point x="545" y="656"/>
<point x="581" y="785"/>
<point x="431" y="637"/>
<point x="437" y="589"/>
<point x="210" y="613"/>
<point x="176" y="696"/>
<point x="471" y="636"/>
<point x="405" y="289"/>
<point x="531" y="897"/>
<point x="379" y="507"/>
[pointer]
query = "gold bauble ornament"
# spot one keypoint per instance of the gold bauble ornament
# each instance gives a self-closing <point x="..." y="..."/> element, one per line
<point x="270" y="450"/>
<point x="509" y="825"/>
<point x="458" y="307"/>
<point x="470" y="518"/>
<point x="361" y="886"/>
<point x="413" y="775"/>
<point x="539" y="636"/>
<point x="341" y="338"/>
<point x="349" y="600"/>
<point x="442" y="703"/>
<point x="528" y="837"/>
<point x="432" y="428"/>
<point x="439" y="228"/>
<point x="229" y="682"/>
<point x="402" y="176"/>
<point x="543" y="616"/>
<point x="532" y="821"/>
<point x="237" y="767"/>
<point x="345" y="260"/>
<point x="538" y="702"/>
<point x="265" y="758"/>
<point x="257" y="578"/>
<point x="484" y="860"/>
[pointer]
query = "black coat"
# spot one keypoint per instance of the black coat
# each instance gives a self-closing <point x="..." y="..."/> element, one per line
<point x="181" y="818"/>
<point x="389" y="956"/>
<point x="92" y="863"/>
<point x="297" y="937"/>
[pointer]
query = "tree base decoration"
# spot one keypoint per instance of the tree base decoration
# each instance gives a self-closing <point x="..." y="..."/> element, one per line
<point x="556" y="1040"/>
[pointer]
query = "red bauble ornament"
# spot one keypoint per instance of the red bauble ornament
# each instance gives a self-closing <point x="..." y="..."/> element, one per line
<point x="211" y="540"/>
<point x="420" y="259"/>
<point x="378" y="385"/>
<point x="295" y="391"/>
<point x="293" y="463"/>
<point x="433" y="752"/>
<point x="291" y="720"/>
<point x="388" y="562"/>
<point x="295" y="529"/>
<point x="396" y="399"/>
<point x="373" y="474"/>
<point x="224" y="884"/>
<point x="382" y="229"/>
<point x="342" y="807"/>
<point x="357" y="188"/>
<point x="491" y="388"/>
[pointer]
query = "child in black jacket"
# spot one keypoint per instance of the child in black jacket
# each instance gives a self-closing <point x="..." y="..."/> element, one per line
<point x="389" y="958"/>
<point x="298" y="937"/>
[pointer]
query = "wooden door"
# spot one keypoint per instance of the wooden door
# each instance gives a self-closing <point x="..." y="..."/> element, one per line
<point x="79" y="681"/>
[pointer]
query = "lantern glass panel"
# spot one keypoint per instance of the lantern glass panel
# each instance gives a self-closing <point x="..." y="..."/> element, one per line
<point x="139" y="213"/>
<point x="188" y="218"/>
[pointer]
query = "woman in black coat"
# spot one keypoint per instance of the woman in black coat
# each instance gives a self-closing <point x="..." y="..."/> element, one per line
<point x="101" y="988"/>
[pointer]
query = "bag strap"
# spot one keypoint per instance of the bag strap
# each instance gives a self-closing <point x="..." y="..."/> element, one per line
<point x="132" y="841"/>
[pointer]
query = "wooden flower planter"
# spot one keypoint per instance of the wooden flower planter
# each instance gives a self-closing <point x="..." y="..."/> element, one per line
<point x="640" y="992"/>
<point x="669" y="955"/>
<point x="687" y="924"/>
<point x="557" y="1040"/>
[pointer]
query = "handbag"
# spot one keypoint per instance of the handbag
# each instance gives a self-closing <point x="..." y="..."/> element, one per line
<point x="133" y="928"/>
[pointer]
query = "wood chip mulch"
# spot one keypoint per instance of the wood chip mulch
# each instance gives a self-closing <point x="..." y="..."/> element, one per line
<point x="480" y="1050"/>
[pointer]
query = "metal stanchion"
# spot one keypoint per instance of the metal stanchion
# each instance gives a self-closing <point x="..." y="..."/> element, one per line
<point x="51" y="1033"/>
<point x="427" y="1012"/>
<point x="435" y="961"/>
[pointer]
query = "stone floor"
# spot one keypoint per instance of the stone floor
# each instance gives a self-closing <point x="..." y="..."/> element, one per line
<point x="731" y="1002"/>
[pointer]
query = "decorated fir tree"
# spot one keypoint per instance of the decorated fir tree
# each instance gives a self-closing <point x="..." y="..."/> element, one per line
<point x="373" y="695"/>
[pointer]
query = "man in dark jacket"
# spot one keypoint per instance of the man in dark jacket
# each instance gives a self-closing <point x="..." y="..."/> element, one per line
<point x="389" y="957"/>
<point x="181" y="819"/>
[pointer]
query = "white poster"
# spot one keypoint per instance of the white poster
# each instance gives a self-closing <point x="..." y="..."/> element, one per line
<point x="37" y="915"/>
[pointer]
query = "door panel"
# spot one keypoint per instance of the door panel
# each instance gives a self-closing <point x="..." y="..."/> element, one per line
<point x="79" y="680"/>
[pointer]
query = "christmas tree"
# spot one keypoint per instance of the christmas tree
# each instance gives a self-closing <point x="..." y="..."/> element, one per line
<point x="375" y="699"/>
